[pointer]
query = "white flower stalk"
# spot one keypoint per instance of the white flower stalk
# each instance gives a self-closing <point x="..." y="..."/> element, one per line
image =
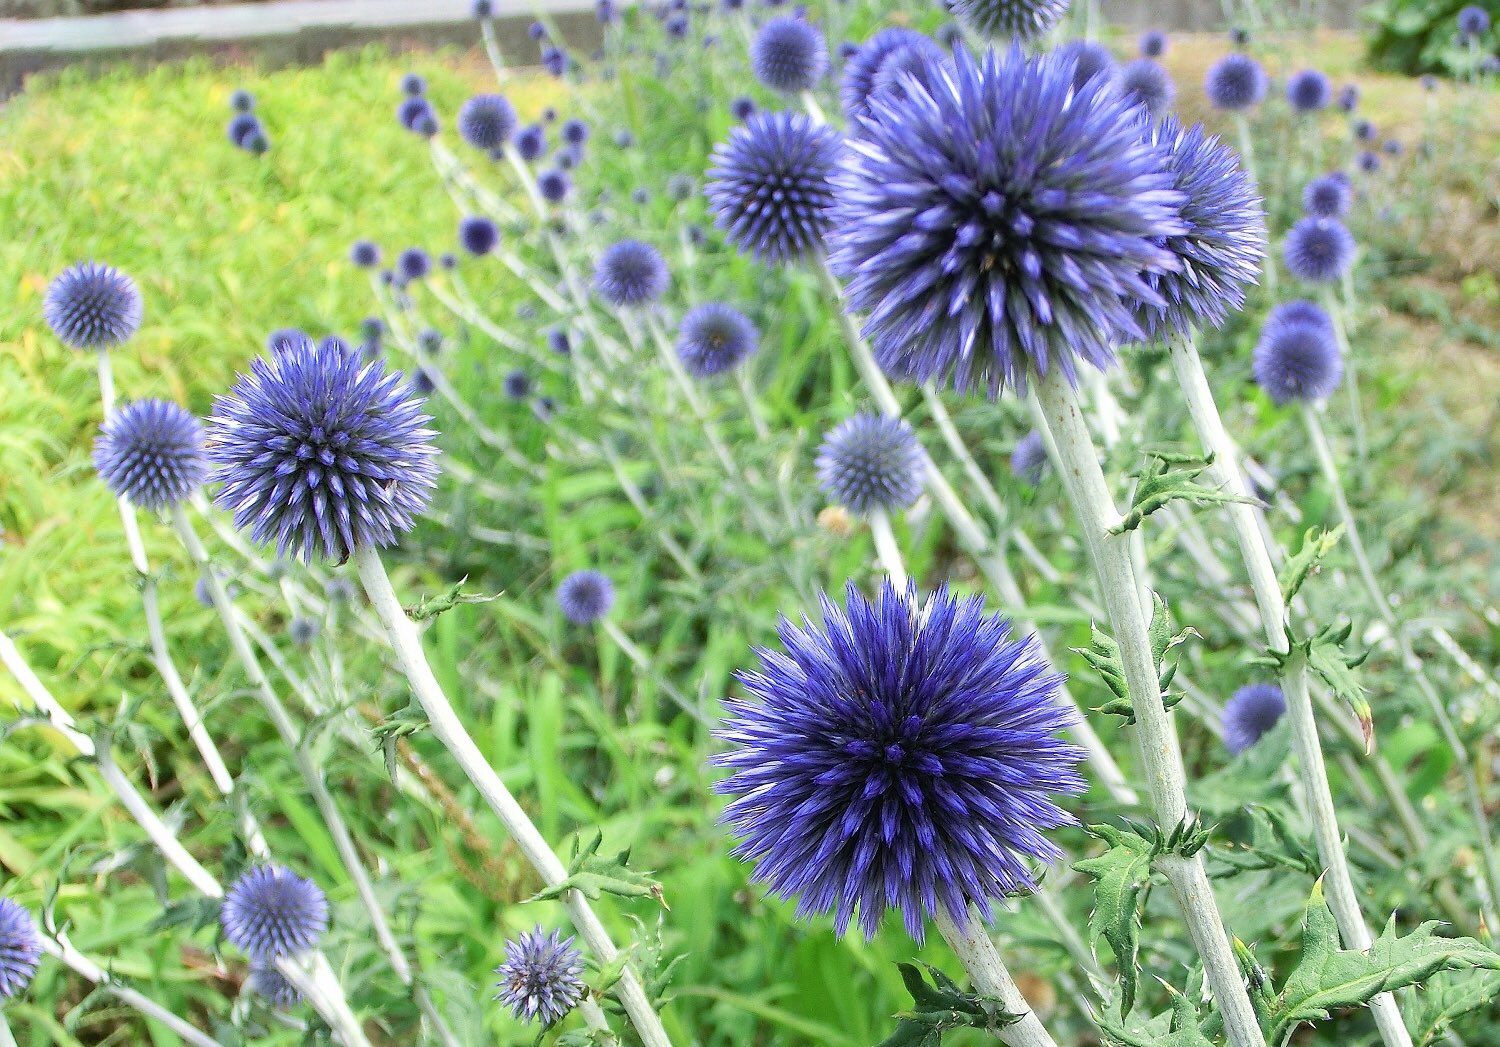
<point x="975" y="950"/>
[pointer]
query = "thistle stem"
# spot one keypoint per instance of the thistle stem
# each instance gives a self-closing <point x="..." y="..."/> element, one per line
<point x="8" y="1039"/>
<point x="887" y="551"/>
<point x="977" y="953"/>
<point x="1057" y="404"/>
<point x="450" y="730"/>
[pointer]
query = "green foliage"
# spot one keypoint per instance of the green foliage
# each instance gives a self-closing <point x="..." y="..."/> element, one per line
<point x="1420" y="36"/>
<point x="941" y="1007"/>
<point x="1168" y="477"/>
<point x="593" y="876"/>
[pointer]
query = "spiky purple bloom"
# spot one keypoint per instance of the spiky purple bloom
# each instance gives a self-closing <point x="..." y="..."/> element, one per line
<point x="585" y="596"/>
<point x="1392" y="147"/>
<point x="20" y="949"/>
<point x="859" y="74"/>
<point x="1309" y="90"/>
<point x="482" y="9"/>
<point x="541" y="979"/>
<point x="270" y="984"/>
<point x="1299" y="311"/>
<point x="1365" y="131"/>
<point x="568" y="158"/>
<point x="558" y="342"/>
<point x="413" y="264"/>
<point x="1029" y="458"/>
<point x="1153" y="43"/>
<point x="681" y="187"/>
<point x="871" y="463"/>
<point x="150" y="453"/>
<point x="1239" y="36"/>
<point x="789" y="55"/>
<point x="1250" y="713"/>
<point x="999" y="220"/>
<point x="1221" y="250"/>
<point x="487" y="121"/>
<point x="1235" y="82"/>
<point x="90" y="305"/>
<point x="478" y="235"/>
<point x="1089" y="60"/>
<point x="1328" y="196"/>
<point x="898" y="756"/>
<point x="517" y="384"/>
<point x="531" y="142"/>
<point x="365" y="254"/>
<point x="320" y="453"/>
<point x="741" y="108"/>
<point x="1318" y="250"/>
<point x="924" y="61"/>
<point x="630" y="272"/>
<point x="241" y="101"/>
<point x="271" y="912"/>
<point x="554" y="185"/>
<point x="1348" y="99"/>
<point x="1297" y="357"/>
<point x="1148" y="85"/>
<point x="285" y="338"/>
<point x="714" y="338"/>
<point x="1003" y="20"/>
<point x="1473" y="22"/>
<point x="769" y="188"/>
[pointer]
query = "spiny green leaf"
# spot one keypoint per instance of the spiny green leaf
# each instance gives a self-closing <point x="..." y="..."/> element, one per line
<point x="942" y="1007"/>
<point x="1122" y="877"/>
<point x="1316" y="544"/>
<point x="1168" y="477"/>
<point x="1326" y="656"/>
<point x="1274" y="844"/>
<point x="398" y="725"/>
<point x="593" y="876"/>
<point x="1450" y="995"/>
<point x="1179" y="1027"/>
<point x="431" y="607"/>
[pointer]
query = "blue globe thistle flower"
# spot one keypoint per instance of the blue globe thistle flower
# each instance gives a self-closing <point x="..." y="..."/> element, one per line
<point x="554" y="185"/>
<point x="1221" y="250"/>
<point x="1153" y="43"/>
<point x="1001" y="220"/>
<point x="271" y="912"/>
<point x="788" y="55"/>
<point x="531" y="142"/>
<point x="1365" y="131"/>
<point x="1429" y="82"/>
<point x="1297" y="357"/>
<point x="924" y="61"/>
<point x="714" y="338"/>
<point x="1250" y="714"/>
<point x="568" y="158"/>
<point x="630" y="273"/>
<point x="413" y="264"/>
<point x="624" y="139"/>
<point x="241" y="101"/>
<point x="1239" y="36"/>
<point x="365" y="254"/>
<point x="303" y="631"/>
<point x="429" y="340"/>
<point x="413" y="84"/>
<point x="1309" y="90"/>
<point x="1329" y="196"/>
<point x="271" y="985"/>
<point x="541" y="979"/>
<point x="1299" y="311"/>
<point x="1392" y="147"/>
<point x="372" y="327"/>
<point x="544" y="407"/>
<point x="871" y="463"/>
<point x="1021" y="20"/>
<point x="1029" y="458"/>
<point x="558" y="342"/>
<point x="898" y="756"/>
<point x="241" y="126"/>
<point x="425" y="124"/>
<point x="859" y="74"/>
<point x="256" y="142"/>
<point x="575" y="131"/>
<point x="1348" y="99"/>
<point x="90" y="305"/>
<point x="1235" y="82"/>
<point x="555" y="60"/>
<point x="1367" y="162"/>
<point x="1089" y="60"/>
<point x="320" y="453"/>
<point x="150" y="453"/>
<point x="1318" y="250"/>
<point x="20" y="949"/>
<point x="741" y="108"/>
<point x="604" y="11"/>
<point x="411" y="109"/>
<point x="769" y="187"/>
<point x="681" y="187"/>
<point x="340" y="591"/>
<point x="483" y="9"/>
<point x="1473" y="22"/>
<point x="517" y="385"/>
<point x="478" y="235"/>
<point x="1489" y="65"/>
<point x="487" y="121"/>
<point x="1146" y="84"/>
<point x="585" y="596"/>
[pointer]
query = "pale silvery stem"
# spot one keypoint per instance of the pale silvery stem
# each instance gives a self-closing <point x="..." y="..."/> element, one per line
<point x="1409" y="657"/>
<point x="1351" y="373"/>
<point x="752" y="403"/>
<point x="8" y="1039"/>
<point x="977" y="953"/>
<point x="492" y="49"/>
<point x="887" y="551"/>
<point x="1444" y="639"/>
<point x="1083" y="479"/>
<point x="814" y="107"/>
<point x="449" y="730"/>
<point x="1339" y="884"/>
<point x="637" y="498"/>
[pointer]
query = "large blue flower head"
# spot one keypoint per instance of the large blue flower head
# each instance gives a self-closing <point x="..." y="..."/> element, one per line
<point x="487" y="121"/>
<point x="789" y="55"/>
<point x="271" y="912"/>
<point x="1147" y="84"/>
<point x="900" y="755"/>
<point x="1309" y="91"/>
<point x="631" y="272"/>
<point x="714" y="338"/>
<point x="1297" y="357"/>
<point x="871" y="463"/>
<point x="151" y="453"/>
<point x="860" y="71"/>
<point x="541" y="979"/>
<point x="20" y="949"/>
<point x="1318" y="250"/>
<point x="1250" y="713"/>
<point x="321" y="453"/>
<point x="92" y="306"/>
<point x="478" y="235"/>
<point x="585" y="596"/>
<point x="1328" y="196"/>
<point x="1021" y="20"/>
<point x="1221" y="249"/>
<point x="414" y="109"/>
<point x="999" y="220"/>
<point x="770" y="186"/>
<point x="1235" y="82"/>
<point x="531" y="142"/>
<point x="241" y="126"/>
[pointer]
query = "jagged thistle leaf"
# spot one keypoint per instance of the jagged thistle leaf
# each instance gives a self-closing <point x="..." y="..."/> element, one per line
<point x="431" y="607"/>
<point x="593" y="876"/>
<point x="1170" y="477"/>
<point x="1451" y="995"/>
<point x="941" y="1007"/>
<point x="1122" y="876"/>
<point x="1326" y="656"/>
<point x="1178" y="1027"/>
<point x="1316" y="544"/>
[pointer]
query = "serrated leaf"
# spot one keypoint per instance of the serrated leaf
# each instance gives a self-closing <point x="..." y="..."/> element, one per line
<point x="1103" y="654"/>
<point x="1316" y="544"/>
<point x="1326" y="656"/>
<point x="1179" y="1027"/>
<point x="1163" y="640"/>
<point x="1170" y="477"/>
<point x="1451" y="995"/>
<point x="398" y="725"/>
<point x="942" y="1007"/>
<point x="593" y="876"/>
<point x="431" y="607"/>
<point x="1122" y="877"/>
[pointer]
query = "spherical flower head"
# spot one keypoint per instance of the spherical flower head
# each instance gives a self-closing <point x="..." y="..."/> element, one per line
<point x="554" y="185"/>
<point x="1365" y="130"/>
<point x="741" y="108"/>
<point x="1029" y="458"/>
<point x="1239" y="36"/>
<point x="1309" y="90"/>
<point x="681" y="187"/>
<point x="303" y="631"/>
<point x="558" y="342"/>
<point x="871" y="464"/>
<point x="487" y="121"/>
<point x="478" y="235"/>
<point x="788" y="55"/>
<point x="1489" y="65"/>
<point x="585" y="596"/>
<point x="150" y="453"/>
<point x="1089" y="60"/>
<point x="630" y="273"/>
<point x="482" y="9"/>
<point x="1348" y="99"/>
<point x="1225" y="240"/>
<point x="1146" y="84"/>
<point x="714" y="338"/>
<point x="605" y="12"/>
<point x="241" y="101"/>
<point x="531" y="142"/>
<point x="1299" y="311"/>
<point x="1473" y="22"/>
<point x="413" y="84"/>
<point x="321" y="453"/>
<point x="1318" y="250"/>
<point x="1250" y="714"/>
<point x="365" y="254"/>
<point x="924" y="61"/>
<point x="20" y="949"/>
<point x="1235" y="82"/>
<point x="541" y="979"/>
<point x="1392" y="147"/>
<point x="1368" y="162"/>
<point x="517" y="384"/>
<point x="555" y="60"/>
<point x="256" y="142"/>
<point x="271" y="985"/>
<point x="413" y="264"/>
<point x="999" y="221"/>
<point x="770" y="186"/>
<point x="1153" y="43"/>
<point x="575" y="131"/>
<point x="570" y="157"/>
<point x="412" y="109"/>
<point x="90" y="305"/>
<point x="1298" y="358"/>
<point x="240" y="127"/>
<point x="1328" y="196"/>
<point x="898" y="756"/>
<point x="859" y="73"/>
<point x="271" y="912"/>
<point x="1002" y="20"/>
